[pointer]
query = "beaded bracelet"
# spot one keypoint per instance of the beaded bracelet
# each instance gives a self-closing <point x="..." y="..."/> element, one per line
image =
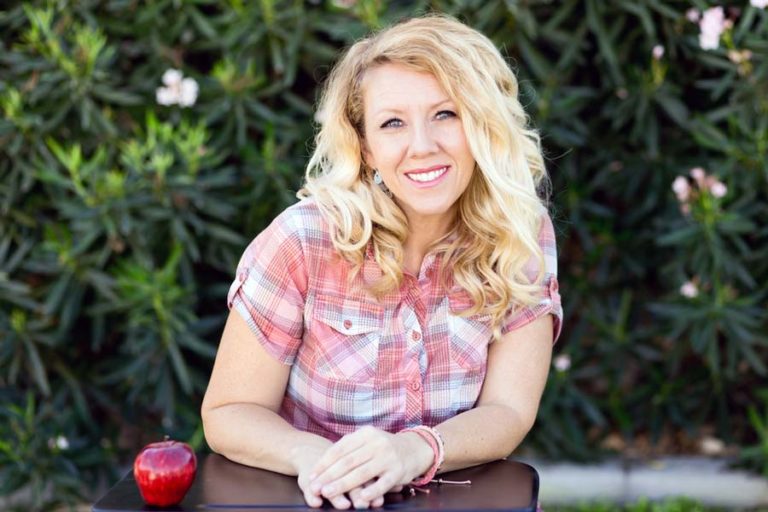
<point x="435" y="441"/>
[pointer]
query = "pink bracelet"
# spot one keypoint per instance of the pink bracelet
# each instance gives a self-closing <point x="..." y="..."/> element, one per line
<point x="435" y="441"/>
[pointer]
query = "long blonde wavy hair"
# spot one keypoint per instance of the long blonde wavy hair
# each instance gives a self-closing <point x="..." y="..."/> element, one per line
<point x="498" y="216"/>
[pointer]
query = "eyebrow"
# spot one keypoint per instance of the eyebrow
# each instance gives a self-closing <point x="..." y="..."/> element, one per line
<point x="396" y="110"/>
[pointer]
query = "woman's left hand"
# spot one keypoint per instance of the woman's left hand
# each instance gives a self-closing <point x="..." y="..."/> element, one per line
<point x="373" y="460"/>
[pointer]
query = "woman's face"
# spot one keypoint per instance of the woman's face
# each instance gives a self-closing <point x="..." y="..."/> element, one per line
<point x="415" y="139"/>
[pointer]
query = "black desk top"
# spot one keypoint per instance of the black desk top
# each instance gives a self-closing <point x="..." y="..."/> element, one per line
<point x="223" y="485"/>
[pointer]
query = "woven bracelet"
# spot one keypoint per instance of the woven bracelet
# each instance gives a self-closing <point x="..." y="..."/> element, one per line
<point x="435" y="441"/>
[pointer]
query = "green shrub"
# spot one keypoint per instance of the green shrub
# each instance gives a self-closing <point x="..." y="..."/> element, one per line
<point x="122" y="219"/>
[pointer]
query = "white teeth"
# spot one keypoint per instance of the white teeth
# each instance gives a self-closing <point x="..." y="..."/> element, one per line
<point x="424" y="177"/>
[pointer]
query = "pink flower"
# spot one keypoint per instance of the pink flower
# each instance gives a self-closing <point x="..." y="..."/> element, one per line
<point x="562" y="362"/>
<point x="689" y="289"/>
<point x="737" y="57"/>
<point x="693" y="15"/>
<point x="760" y="4"/>
<point x="718" y="189"/>
<point x="712" y="26"/>
<point x="658" y="52"/>
<point x="681" y="188"/>
<point x="698" y="174"/>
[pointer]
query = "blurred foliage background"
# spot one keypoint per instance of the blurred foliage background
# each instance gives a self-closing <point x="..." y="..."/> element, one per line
<point x="143" y="144"/>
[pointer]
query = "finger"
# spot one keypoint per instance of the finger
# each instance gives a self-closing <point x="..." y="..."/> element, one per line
<point x="360" y="503"/>
<point x="343" y="468"/>
<point x="357" y="502"/>
<point x="313" y="499"/>
<point x="379" y="488"/>
<point x="343" y="447"/>
<point x="357" y="477"/>
<point x="397" y="488"/>
<point x="340" y="502"/>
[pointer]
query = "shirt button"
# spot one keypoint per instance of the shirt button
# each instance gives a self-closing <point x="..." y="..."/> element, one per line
<point x="242" y="277"/>
<point x="347" y="324"/>
<point x="416" y="335"/>
<point x="415" y="385"/>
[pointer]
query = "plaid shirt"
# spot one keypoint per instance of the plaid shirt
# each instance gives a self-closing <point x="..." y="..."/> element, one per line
<point x="404" y="361"/>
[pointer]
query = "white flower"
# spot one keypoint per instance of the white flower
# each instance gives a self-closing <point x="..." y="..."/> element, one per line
<point x="165" y="96"/>
<point x="692" y="14"/>
<point x="172" y="77"/>
<point x="60" y="442"/>
<point x="709" y="41"/>
<point x="712" y="25"/>
<point x="177" y="90"/>
<point x="562" y="362"/>
<point x="689" y="289"/>
<point x="718" y="189"/>
<point x="711" y="446"/>
<point x="681" y="188"/>
<point x="760" y="4"/>
<point x="658" y="52"/>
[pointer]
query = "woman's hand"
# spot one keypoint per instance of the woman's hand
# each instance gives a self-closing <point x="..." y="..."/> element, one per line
<point x="369" y="463"/>
<point x="305" y="458"/>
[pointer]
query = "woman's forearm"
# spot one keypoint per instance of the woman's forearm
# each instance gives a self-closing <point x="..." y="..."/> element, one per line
<point x="483" y="434"/>
<point x="256" y="436"/>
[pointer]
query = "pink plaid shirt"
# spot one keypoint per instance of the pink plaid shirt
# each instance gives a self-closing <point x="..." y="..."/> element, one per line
<point x="403" y="362"/>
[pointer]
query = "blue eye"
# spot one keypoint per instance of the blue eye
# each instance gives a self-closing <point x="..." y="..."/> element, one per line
<point x="445" y="114"/>
<point x="392" y="123"/>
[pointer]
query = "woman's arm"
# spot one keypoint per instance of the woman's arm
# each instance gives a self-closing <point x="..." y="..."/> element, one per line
<point x="518" y="366"/>
<point x="239" y="410"/>
<point x="240" y="407"/>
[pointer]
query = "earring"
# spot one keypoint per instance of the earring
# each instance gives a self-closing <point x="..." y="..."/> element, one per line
<point x="380" y="182"/>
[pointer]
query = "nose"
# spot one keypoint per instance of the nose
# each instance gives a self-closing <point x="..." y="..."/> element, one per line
<point x="423" y="142"/>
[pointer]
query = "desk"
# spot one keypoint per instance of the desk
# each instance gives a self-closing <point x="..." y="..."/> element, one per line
<point x="225" y="486"/>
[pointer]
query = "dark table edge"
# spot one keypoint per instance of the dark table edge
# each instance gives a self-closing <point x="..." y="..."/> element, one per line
<point x="399" y="506"/>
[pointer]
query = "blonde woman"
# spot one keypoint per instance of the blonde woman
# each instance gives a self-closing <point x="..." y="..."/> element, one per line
<point x="398" y="321"/>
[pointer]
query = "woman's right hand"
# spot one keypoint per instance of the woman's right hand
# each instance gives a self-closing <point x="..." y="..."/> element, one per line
<point x="306" y="458"/>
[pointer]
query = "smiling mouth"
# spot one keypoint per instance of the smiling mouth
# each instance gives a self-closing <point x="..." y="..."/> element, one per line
<point x="426" y="177"/>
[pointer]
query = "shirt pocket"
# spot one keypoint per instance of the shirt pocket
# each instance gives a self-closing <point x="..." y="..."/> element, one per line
<point x="469" y="336"/>
<point x="346" y="334"/>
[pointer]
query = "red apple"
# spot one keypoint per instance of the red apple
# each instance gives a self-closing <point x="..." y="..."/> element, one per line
<point x="164" y="472"/>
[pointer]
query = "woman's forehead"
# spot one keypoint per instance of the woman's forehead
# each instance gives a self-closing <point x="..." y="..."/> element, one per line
<point x="396" y="87"/>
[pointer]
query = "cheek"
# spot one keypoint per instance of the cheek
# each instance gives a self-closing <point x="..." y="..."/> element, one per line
<point x="455" y="139"/>
<point x="386" y="151"/>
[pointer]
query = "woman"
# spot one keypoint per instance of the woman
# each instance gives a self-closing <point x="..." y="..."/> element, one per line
<point x="398" y="321"/>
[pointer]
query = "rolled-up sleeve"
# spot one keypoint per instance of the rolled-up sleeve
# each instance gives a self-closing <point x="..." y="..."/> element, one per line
<point x="550" y="296"/>
<point x="270" y="287"/>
